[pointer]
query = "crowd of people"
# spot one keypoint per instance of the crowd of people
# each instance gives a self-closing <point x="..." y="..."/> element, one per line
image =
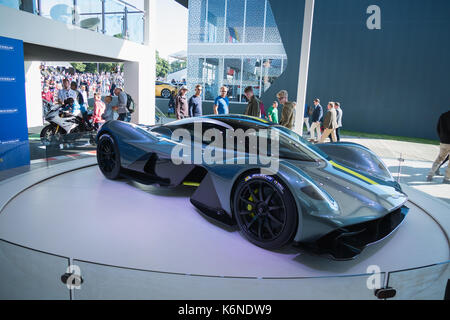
<point x="59" y="84"/>
<point x="72" y="91"/>
<point x="320" y="125"/>
<point x="87" y="83"/>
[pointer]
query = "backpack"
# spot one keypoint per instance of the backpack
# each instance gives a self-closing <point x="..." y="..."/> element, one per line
<point x="130" y="104"/>
<point x="262" y="110"/>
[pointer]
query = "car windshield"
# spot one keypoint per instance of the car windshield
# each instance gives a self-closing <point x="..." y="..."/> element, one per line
<point x="293" y="143"/>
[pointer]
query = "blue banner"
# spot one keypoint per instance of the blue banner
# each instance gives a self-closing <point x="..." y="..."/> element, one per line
<point x="14" y="147"/>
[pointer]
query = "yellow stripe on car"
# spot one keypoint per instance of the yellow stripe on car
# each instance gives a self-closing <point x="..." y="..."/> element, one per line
<point x="191" y="184"/>
<point x="259" y="119"/>
<point x="356" y="174"/>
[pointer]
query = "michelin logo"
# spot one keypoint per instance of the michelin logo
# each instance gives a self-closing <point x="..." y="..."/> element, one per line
<point x="6" y="47"/>
<point x="7" y="79"/>
<point x="10" y="141"/>
<point x="8" y="111"/>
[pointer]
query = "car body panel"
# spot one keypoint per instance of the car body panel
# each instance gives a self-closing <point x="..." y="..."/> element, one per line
<point x="334" y="192"/>
<point x="160" y="86"/>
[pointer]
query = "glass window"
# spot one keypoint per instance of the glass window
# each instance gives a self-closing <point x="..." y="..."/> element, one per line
<point x="114" y="17"/>
<point x="251" y="75"/>
<point x="306" y="144"/>
<point x="89" y="6"/>
<point x="232" y="78"/>
<point x="235" y="21"/>
<point x="59" y="10"/>
<point x="89" y="14"/>
<point x="211" y="78"/>
<point x="24" y="5"/>
<point x="271" y="70"/>
<point x="271" y="34"/>
<point x="216" y="21"/>
<point x="10" y="3"/>
<point x="162" y="130"/>
<point x="136" y="27"/>
<point x="254" y="21"/>
<point x="136" y="5"/>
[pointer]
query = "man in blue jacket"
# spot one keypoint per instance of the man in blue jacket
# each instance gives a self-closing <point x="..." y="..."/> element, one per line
<point x="195" y="102"/>
<point x="315" y="119"/>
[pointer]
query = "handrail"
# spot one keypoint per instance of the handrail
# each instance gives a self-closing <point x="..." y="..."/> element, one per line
<point x="129" y="5"/>
<point x="103" y="13"/>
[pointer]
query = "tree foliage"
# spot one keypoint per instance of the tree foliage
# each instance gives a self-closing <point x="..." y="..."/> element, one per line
<point x="162" y="66"/>
<point x="92" y="67"/>
<point x="80" y="67"/>
<point x="177" y="65"/>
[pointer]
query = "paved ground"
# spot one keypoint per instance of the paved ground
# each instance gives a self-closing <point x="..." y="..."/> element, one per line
<point x="414" y="170"/>
<point x="394" y="149"/>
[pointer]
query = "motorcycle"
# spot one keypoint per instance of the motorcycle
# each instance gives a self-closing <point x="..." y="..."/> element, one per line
<point x="64" y="125"/>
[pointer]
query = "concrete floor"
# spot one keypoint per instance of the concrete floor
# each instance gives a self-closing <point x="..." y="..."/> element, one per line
<point x="82" y="215"/>
<point x="394" y="149"/>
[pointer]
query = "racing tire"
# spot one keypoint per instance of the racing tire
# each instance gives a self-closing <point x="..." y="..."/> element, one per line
<point x="265" y="211"/>
<point x="108" y="157"/>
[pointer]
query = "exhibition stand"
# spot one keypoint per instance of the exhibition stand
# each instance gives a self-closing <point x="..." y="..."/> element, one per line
<point x="132" y="241"/>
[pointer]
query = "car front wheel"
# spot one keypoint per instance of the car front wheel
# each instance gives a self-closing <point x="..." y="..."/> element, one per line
<point x="265" y="211"/>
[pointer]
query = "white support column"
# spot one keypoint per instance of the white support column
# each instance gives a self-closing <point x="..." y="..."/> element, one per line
<point x="139" y="83"/>
<point x="304" y="65"/>
<point x="220" y="73"/>
<point x="140" y="75"/>
<point x="150" y="60"/>
<point x="33" y="93"/>
<point x="132" y="87"/>
<point x="148" y="20"/>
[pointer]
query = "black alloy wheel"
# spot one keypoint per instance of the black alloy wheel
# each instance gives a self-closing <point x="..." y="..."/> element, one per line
<point x="265" y="211"/>
<point x="108" y="157"/>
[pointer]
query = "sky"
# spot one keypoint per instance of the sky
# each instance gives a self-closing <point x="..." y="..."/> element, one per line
<point x="171" y="27"/>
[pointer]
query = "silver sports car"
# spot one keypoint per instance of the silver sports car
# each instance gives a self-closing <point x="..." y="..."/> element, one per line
<point x="331" y="199"/>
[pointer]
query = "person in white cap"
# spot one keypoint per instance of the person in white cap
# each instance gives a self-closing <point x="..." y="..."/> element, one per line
<point x="181" y="104"/>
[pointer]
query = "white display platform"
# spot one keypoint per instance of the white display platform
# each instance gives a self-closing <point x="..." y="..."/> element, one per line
<point x="87" y="218"/>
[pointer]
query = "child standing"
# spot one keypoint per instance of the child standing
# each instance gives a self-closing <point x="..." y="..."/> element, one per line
<point x="272" y="113"/>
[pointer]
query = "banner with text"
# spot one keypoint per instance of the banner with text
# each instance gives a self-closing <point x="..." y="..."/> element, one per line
<point x="14" y="147"/>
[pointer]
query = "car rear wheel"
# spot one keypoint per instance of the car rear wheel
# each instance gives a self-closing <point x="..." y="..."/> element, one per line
<point x="265" y="211"/>
<point x="165" y="93"/>
<point x="108" y="157"/>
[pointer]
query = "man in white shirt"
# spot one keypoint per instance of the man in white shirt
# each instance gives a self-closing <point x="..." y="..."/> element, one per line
<point x="339" y="120"/>
<point x="66" y="92"/>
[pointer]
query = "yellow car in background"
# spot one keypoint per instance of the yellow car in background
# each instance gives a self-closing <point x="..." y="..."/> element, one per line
<point x="163" y="89"/>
